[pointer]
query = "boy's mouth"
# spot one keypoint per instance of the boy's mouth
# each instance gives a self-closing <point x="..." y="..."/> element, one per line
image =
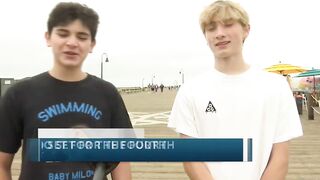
<point x="222" y="43"/>
<point x="70" y="53"/>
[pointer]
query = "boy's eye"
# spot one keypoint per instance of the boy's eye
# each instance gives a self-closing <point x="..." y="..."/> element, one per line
<point x="82" y="37"/>
<point x="211" y="28"/>
<point x="62" y="34"/>
<point x="228" y="23"/>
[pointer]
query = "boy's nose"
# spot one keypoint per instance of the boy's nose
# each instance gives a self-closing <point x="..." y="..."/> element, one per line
<point x="220" y="32"/>
<point x="72" y="41"/>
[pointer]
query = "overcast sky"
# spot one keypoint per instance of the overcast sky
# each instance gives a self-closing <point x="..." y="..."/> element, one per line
<point x="146" y="38"/>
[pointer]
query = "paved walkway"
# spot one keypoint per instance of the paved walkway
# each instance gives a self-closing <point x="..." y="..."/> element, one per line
<point x="151" y="110"/>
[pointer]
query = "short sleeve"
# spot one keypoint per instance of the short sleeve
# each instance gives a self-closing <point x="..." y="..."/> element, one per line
<point x="10" y="123"/>
<point x="182" y="116"/>
<point x="288" y="125"/>
<point x="119" y="114"/>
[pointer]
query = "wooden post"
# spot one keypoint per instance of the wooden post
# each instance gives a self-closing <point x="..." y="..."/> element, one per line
<point x="309" y="107"/>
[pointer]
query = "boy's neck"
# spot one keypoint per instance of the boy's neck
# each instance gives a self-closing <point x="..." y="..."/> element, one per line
<point x="70" y="75"/>
<point x="231" y="65"/>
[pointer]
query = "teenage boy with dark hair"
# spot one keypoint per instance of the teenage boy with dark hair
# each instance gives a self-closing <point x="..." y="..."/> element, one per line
<point x="54" y="99"/>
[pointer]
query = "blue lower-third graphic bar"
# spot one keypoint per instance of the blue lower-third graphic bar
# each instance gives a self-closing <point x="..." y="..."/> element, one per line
<point x="138" y="149"/>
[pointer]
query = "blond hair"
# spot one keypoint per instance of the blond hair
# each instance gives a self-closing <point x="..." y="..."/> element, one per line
<point x="223" y="11"/>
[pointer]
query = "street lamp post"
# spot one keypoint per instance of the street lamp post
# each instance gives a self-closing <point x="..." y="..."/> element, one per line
<point x="182" y="76"/>
<point x="153" y="76"/>
<point x="142" y="85"/>
<point x="102" y="61"/>
<point x="100" y="167"/>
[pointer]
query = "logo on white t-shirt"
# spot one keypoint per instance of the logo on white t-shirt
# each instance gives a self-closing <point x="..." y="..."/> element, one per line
<point x="210" y="107"/>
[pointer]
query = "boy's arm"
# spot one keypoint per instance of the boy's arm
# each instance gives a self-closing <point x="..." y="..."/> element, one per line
<point x="5" y="165"/>
<point x="196" y="170"/>
<point x="277" y="167"/>
<point x="122" y="172"/>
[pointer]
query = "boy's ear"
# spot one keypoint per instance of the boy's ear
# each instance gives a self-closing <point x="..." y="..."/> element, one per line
<point x="247" y="30"/>
<point x="47" y="37"/>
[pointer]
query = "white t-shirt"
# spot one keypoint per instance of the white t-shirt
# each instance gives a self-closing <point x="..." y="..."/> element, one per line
<point x="254" y="104"/>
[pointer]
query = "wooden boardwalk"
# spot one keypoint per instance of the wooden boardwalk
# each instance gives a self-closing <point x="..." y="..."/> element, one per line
<point x="304" y="151"/>
<point x="304" y="156"/>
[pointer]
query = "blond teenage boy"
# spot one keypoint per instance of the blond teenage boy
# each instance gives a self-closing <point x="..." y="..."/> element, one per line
<point x="235" y="100"/>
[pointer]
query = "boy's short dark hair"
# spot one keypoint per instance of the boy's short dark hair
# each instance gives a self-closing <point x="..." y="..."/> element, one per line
<point x="66" y="12"/>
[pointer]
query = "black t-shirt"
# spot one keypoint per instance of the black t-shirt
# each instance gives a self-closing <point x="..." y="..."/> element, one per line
<point x="45" y="102"/>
